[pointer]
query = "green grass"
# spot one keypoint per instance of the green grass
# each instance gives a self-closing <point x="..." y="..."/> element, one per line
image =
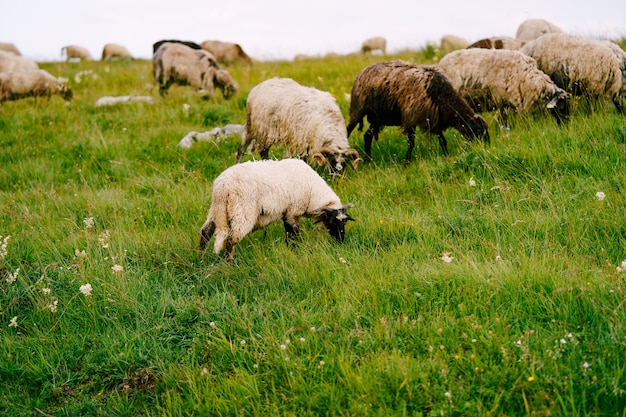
<point x="528" y="318"/>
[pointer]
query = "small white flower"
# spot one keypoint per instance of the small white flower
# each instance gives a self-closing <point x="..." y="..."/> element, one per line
<point x="80" y="254"/>
<point x="283" y="347"/>
<point x="13" y="322"/>
<point x="86" y="289"/>
<point x="448" y="395"/>
<point x="600" y="195"/>
<point x="53" y="306"/>
<point x="3" y="247"/>
<point x="46" y="291"/>
<point x="472" y="182"/>
<point x="322" y="363"/>
<point x="563" y="341"/>
<point x="12" y="276"/>
<point x="302" y="339"/>
<point x="312" y="328"/>
<point x="242" y="343"/>
<point x="586" y="365"/>
<point x="213" y="325"/>
<point x="446" y="257"/>
<point x="104" y="239"/>
<point x="89" y="222"/>
<point x="117" y="268"/>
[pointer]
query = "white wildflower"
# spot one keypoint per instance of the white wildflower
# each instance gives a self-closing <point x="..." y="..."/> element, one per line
<point x="242" y="343"/>
<point x="213" y="325"/>
<point x="446" y="257"/>
<point x="86" y="289"/>
<point x="53" y="306"/>
<point x="104" y="239"/>
<point x="117" y="268"/>
<point x="3" y="247"/>
<point x="13" y="322"/>
<point x="80" y="254"/>
<point x="46" y="291"/>
<point x="472" y="182"/>
<point x="89" y="222"/>
<point x="12" y="276"/>
<point x="600" y="195"/>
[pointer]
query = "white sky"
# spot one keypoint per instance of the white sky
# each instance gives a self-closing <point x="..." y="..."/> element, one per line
<point x="280" y="29"/>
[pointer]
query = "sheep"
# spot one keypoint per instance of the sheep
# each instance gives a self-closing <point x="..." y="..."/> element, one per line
<point x="254" y="194"/>
<point x="377" y="43"/>
<point x="34" y="83"/>
<point x="306" y="121"/>
<point x="112" y="50"/>
<point x="400" y="93"/>
<point x="498" y="42"/>
<point x="77" y="52"/>
<point x="452" y="42"/>
<point x="226" y="52"/>
<point x="156" y="45"/>
<point x="11" y="62"/>
<point x="531" y="29"/>
<point x="503" y="79"/>
<point x="176" y="63"/>
<point x="582" y="66"/>
<point x="9" y="47"/>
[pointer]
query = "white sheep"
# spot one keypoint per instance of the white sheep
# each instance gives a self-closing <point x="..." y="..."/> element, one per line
<point x="34" y="83"/>
<point x="214" y="135"/>
<point x="531" y="29"/>
<point x="498" y="42"/>
<point x="252" y="195"/>
<point x="176" y="63"/>
<point x="112" y="50"/>
<point x="9" y="47"/>
<point x="11" y="62"/>
<point x="76" y="52"/>
<point x="377" y="43"/>
<point x="582" y="66"/>
<point x="503" y="79"/>
<point x="306" y="121"/>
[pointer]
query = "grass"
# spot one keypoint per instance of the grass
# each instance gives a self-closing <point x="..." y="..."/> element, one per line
<point x="527" y="318"/>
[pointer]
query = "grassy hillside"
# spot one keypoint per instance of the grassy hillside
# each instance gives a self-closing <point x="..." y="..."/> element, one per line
<point x="485" y="283"/>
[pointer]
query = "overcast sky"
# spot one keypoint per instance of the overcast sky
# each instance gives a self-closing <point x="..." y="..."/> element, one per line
<point x="279" y="29"/>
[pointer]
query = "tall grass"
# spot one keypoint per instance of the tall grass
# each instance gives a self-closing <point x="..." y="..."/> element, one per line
<point x="485" y="283"/>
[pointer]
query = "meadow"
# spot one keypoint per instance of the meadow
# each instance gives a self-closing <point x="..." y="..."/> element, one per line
<point x="487" y="283"/>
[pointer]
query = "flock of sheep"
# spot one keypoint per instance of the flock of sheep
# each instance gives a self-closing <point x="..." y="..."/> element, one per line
<point x="538" y="70"/>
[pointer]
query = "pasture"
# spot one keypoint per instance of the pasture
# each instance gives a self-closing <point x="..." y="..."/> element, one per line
<point x="486" y="283"/>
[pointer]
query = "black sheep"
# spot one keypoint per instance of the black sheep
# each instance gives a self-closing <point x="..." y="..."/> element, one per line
<point x="399" y="93"/>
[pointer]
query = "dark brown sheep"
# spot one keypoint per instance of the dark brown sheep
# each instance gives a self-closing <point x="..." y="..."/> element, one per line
<point x="399" y="93"/>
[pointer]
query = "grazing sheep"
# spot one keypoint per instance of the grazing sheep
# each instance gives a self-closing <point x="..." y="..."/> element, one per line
<point x="214" y="135"/>
<point x="226" y="52"/>
<point x="34" y="83"/>
<point x="252" y="195"/>
<point x="175" y="63"/>
<point x="498" y="42"/>
<point x="305" y="120"/>
<point x="531" y="29"/>
<point x="11" y="62"/>
<point x="112" y="50"/>
<point x="453" y="42"/>
<point x="76" y="52"/>
<point x="9" y="47"/>
<point x="377" y="43"/>
<point x="400" y="93"/>
<point x="503" y="79"/>
<point x="582" y="66"/>
<point x="156" y="45"/>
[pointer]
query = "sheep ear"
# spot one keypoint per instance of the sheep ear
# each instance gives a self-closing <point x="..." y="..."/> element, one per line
<point x="319" y="158"/>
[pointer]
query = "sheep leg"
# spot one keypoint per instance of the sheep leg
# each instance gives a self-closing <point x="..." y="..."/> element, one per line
<point x="443" y="143"/>
<point x="265" y="154"/>
<point x="367" y="140"/>
<point x="229" y="249"/>
<point x="619" y="104"/>
<point x="206" y="233"/>
<point x="411" y="144"/>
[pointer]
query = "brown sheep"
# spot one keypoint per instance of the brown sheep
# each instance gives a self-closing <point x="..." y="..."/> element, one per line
<point x="498" y="42"/>
<point x="175" y="63"/>
<point x="400" y="93"/>
<point x="226" y="52"/>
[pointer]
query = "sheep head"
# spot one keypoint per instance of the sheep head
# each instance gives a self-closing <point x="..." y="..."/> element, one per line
<point x="336" y="160"/>
<point x="476" y="127"/>
<point x="559" y="105"/>
<point x="225" y="82"/>
<point x="334" y="219"/>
